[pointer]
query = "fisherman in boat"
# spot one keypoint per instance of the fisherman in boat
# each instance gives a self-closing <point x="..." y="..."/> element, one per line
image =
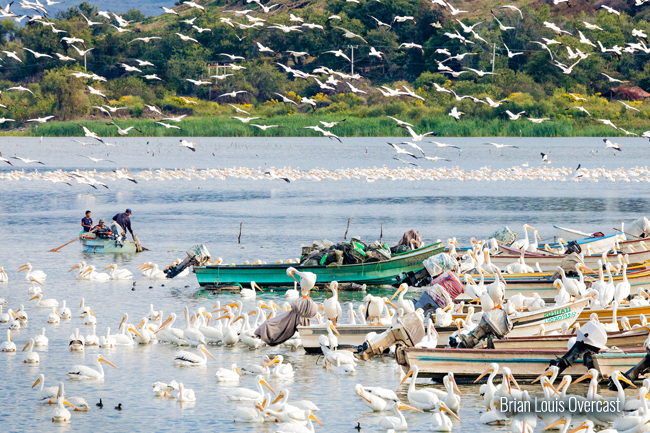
<point x="101" y="230"/>
<point x="121" y="224"/>
<point x="86" y="222"/>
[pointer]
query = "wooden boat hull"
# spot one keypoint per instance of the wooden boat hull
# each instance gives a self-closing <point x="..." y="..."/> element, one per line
<point x="351" y="335"/>
<point x="106" y="246"/>
<point x="548" y="263"/>
<point x="468" y="364"/>
<point x="376" y="273"/>
<point x="605" y="315"/>
<point x="627" y="339"/>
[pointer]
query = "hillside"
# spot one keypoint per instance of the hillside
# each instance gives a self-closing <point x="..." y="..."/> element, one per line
<point x="413" y="55"/>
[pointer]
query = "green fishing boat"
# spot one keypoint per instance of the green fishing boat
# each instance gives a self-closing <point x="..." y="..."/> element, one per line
<point x="275" y="275"/>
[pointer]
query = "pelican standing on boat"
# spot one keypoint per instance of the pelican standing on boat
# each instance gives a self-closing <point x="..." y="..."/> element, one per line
<point x="82" y="372"/>
<point x="331" y="306"/>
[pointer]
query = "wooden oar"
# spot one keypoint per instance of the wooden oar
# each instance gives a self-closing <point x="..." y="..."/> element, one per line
<point x="634" y="236"/>
<point x="57" y="249"/>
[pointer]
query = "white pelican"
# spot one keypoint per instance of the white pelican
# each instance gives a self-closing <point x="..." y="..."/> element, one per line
<point x="490" y="388"/>
<point x="374" y="306"/>
<point x="78" y="403"/>
<point x="90" y="319"/>
<point x="247" y="333"/>
<point x="44" y="303"/>
<point x="250" y="293"/>
<point x="45" y="395"/>
<point x="168" y="333"/>
<point x="281" y="370"/>
<point x="119" y="274"/>
<point x="106" y="341"/>
<point x="338" y="368"/>
<point x="32" y="357"/>
<point x="190" y="334"/>
<point x="92" y="339"/>
<point x="292" y="293"/>
<point x="83" y="309"/>
<point x="189" y="359"/>
<point x="82" y="372"/>
<point x="449" y="397"/>
<point x="4" y="317"/>
<point x="4" y="278"/>
<point x="335" y="356"/>
<point x="53" y="317"/>
<point x="444" y="316"/>
<point x="81" y="268"/>
<point x="331" y="306"/>
<point x="440" y="421"/>
<point x="14" y="323"/>
<point x="245" y="394"/>
<point x="299" y="428"/>
<point x="256" y="368"/>
<point x="161" y="389"/>
<point x="397" y="423"/>
<point x="497" y="289"/>
<point x="307" y="280"/>
<point x="93" y="275"/>
<point x="9" y="345"/>
<point x="156" y="273"/>
<point x="41" y="340"/>
<point x="152" y="314"/>
<point x="420" y="399"/>
<point x="77" y="341"/>
<point x="375" y="400"/>
<point x="66" y="314"/>
<point x="146" y="269"/>
<point x="228" y="375"/>
<point x="405" y="304"/>
<point x="230" y="336"/>
<point x="61" y="414"/>
<point x="430" y="340"/>
<point x="185" y="395"/>
<point x="524" y="243"/>
<point x="622" y="289"/>
<point x="37" y="275"/>
<point x="255" y="414"/>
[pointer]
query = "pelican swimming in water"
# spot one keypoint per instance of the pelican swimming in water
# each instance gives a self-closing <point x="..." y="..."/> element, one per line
<point x="228" y="375"/>
<point x="490" y="388"/>
<point x="292" y="293"/>
<point x="92" y="339"/>
<point x="295" y="427"/>
<point x="106" y="341"/>
<point x="82" y="372"/>
<point x="161" y="389"/>
<point x="190" y="334"/>
<point x="9" y="345"/>
<point x="77" y="341"/>
<point x="188" y="359"/>
<point x="45" y="395"/>
<point x="250" y="293"/>
<point x="440" y="421"/>
<point x="185" y="394"/>
<point x="60" y="414"/>
<point x="44" y="303"/>
<point x="377" y="400"/>
<point x="84" y="310"/>
<point x="155" y="273"/>
<point x="93" y="275"/>
<point x="41" y="340"/>
<point x="32" y="357"/>
<point x="54" y="316"/>
<point x="168" y="333"/>
<point x="4" y="278"/>
<point x="256" y="368"/>
<point x="245" y="394"/>
<point x="35" y="274"/>
<point x="78" y="403"/>
<point x="281" y="370"/>
<point x="397" y="423"/>
<point x="118" y="274"/>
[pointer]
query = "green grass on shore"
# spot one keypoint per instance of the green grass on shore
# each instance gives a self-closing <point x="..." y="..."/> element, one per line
<point x="292" y="126"/>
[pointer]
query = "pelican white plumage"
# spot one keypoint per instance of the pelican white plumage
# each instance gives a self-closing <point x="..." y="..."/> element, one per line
<point x="331" y="306"/>
<point x="245" y="394"/>
<point x="54" y="316"/>
<point x="60" y="414"/>
<point x="32" y="357"/>
<point x="41" y="340"/>
<point x="83" y="372"/>
<point x="375" y="399"/>
<point x="292" y="293"/>
<point x="44" y="303"/>
<point x="45" y="395"/>
<point x="92" y="339"/>
<point x="107" y="341"/>
<point x="420" y="399"/>
<point x="231" y="374"/>
<point x="250" y="293"/>
<point x="440" y="421"/>
<point x="31" y="273"/>
<point x="8" y="345"/>
<point x="281" y="371"/>
<point x="405" y="304"/>
<point x="168" y="333"/>
<point x="119" y="274"/>
<point x="307" y="280"/>
<point x="190" y="334"/>
<point x="184" y="394"/>
<point x="398" y="422"/>
<point x="184" y="358"/>
<point x="161" y="389"/>
<point x="93" y="275"/>
<point x="4" y="278"/>
<point x="77" y="341"/>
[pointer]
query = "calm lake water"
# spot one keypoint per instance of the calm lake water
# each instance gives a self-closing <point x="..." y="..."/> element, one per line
<point x="277" y="219"/>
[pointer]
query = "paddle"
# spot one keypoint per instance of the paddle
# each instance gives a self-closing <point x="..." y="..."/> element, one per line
<point x="54" y="250"/>
<point x="634" y="236"/>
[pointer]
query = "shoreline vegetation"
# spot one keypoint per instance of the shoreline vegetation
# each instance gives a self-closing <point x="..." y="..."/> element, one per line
<point x="223" y="126"/>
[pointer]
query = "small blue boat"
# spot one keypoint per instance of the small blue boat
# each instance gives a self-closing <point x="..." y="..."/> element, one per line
<point x="94" y="245"/>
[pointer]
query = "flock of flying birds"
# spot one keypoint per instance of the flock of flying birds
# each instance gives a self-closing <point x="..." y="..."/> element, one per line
<point x="469" y="36"/>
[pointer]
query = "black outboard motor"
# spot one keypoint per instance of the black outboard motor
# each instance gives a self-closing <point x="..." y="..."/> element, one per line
<point x="198" y="255"/>
<point x="591" y="339"/>
<point x="494" y="324"/>
<point x="633" y="373"/>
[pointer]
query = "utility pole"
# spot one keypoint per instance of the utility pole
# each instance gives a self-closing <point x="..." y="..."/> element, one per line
<point x="85" y="69"/>
<point x="352" y="47"/>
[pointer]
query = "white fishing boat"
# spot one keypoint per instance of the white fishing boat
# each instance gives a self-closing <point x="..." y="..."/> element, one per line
<point x="570" y="234"/>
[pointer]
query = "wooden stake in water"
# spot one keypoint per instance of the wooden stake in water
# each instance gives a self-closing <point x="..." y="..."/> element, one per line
<point x="381" y="234"/>
<point x="345" y="236"/>
<point x="239" y="237"/>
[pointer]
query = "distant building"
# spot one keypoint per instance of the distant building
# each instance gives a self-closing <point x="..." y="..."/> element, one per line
<point x="632" y="93"/>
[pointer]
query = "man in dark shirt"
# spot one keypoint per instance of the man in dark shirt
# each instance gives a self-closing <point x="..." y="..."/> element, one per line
<point x="102" y="231"/>
<point x="86" y="222"/>
<point x="123" y="220"/>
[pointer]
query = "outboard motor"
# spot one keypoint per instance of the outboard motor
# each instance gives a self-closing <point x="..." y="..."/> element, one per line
<point x="493" y="324"/>
<point x="408" y="331"/>
<point x="198" y="255"/>
<point x="633" y="373"/>
<point x="591" y="338"/>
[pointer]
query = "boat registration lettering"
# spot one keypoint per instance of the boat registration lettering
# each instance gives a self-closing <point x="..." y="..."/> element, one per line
<point x="569" y="315"/>
<point x="557" y="312"/>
